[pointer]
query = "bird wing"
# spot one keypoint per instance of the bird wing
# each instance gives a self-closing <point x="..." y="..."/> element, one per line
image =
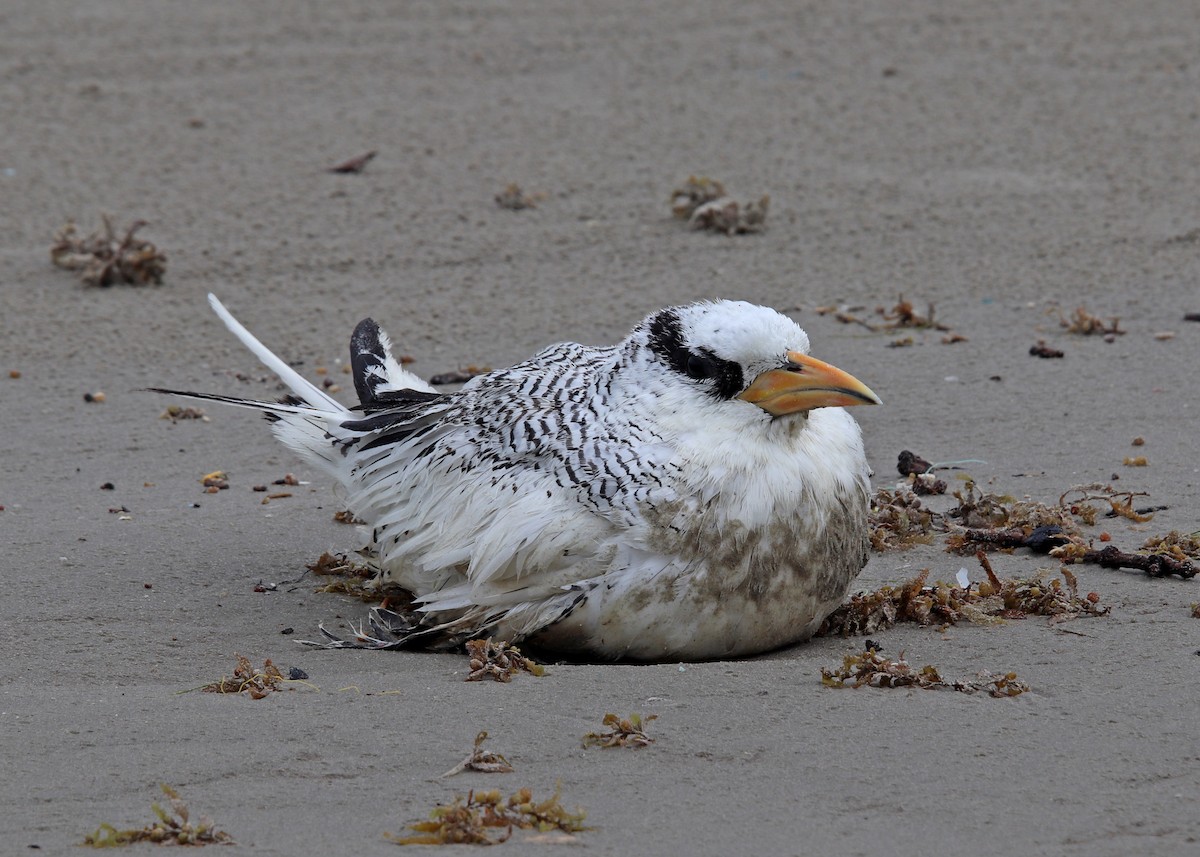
<point x="493" y="497"/>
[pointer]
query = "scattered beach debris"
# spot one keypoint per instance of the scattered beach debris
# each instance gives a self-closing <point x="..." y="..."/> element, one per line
<point x="484" y="761"/>
<point x="96" y="398"/>
<point x="216" y="481"/>
<point x="14" y="373"/>
<point x="939" y="603"/>
<point x="498" y="661"/>
<point x="908" y="463"/>
<point x="351" y="578"/>
<point x="1135" y="461"/>
<point x="354" y="165"/>
<point x="174" y="413"/>
<point x="872" y="669"/>
<point x="703" y="203"/>
<point x="253" y="681"/>
<point x="459" y="376"/>
<point x="515" y="199"/>
<point x="1192" y="316"/>
<point x="899" y="520"/>
<point x="730" y="217"/>
<point x="622" y="732"/>
<point x="486" y="818"/>
<point x="695" y="192"/>
<point x="1044" y="351"/>
<point x="173" y="827"/>
<point x="1083" y="323"/>
<point x="345" y="516"/>
<point x="103" y="259"/>
<point x="1175" y="544"/>
<point x="903" y="315"/>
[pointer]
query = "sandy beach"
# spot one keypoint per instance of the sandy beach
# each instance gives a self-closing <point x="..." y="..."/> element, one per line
<point x="1004" y="163"/>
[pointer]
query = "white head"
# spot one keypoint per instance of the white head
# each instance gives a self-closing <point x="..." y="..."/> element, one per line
<point x="741" y="355"/>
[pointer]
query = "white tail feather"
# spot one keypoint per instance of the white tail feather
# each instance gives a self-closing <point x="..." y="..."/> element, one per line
<point x="302" y="388"/>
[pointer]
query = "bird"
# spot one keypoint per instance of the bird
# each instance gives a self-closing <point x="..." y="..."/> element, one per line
<point x="697" y="491"/>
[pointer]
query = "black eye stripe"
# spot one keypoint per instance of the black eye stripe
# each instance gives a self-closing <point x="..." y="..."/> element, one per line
<point x="666" y="340"/>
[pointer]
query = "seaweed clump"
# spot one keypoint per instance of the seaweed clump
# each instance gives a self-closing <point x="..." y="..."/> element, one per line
<point x="940" y="603"/>
<point x="487" y="818"/>
<point x="498" y="661"/>
<point x="872" y="669"/>
<point x="898" y="520"/>
<point x="622" y="732"/>
<point x="105" y="259"/>
<point x="173" y="827"/>
<point x="248" y="679"/>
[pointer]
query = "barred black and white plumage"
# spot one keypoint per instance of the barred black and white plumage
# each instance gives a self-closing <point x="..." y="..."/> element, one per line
<point x="696" y="491"/>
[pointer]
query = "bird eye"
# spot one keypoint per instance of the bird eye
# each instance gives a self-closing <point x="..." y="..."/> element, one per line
<point x="699" y="367"/>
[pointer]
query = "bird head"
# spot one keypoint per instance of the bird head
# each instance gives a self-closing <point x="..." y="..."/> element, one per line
<point x="747" y="355"/>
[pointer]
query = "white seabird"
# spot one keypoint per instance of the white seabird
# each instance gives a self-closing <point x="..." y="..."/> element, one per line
<point x="696" y="491"/>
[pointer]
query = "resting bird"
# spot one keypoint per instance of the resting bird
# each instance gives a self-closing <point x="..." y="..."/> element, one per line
<point x="697" y="491"/>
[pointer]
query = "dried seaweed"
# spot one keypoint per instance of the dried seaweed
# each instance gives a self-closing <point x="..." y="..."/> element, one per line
<point x="946" y="604"/>
<point x="216" y="481"/>
<point x="355" y="165"/>
<point x="105" y="259"/>
<point x="351" y="578"/>
<point x="250" y="680"/>
<point x="173" y="827"/>
<point x="1083" y="323"/>
<point x="695" y="192"/>
<point x="515" y="199"/>
<point x="1154" y="565"/>
<point x="622" y="732"/>
<point x="484" y="761"/>
<point x="1174" y="544"/>
<point x="872" y="669"/>
<point x="898" y="520"/>
<point x="498" y="661"/>
<point x="908" y="463"/>
<point x="486" y="818"/>
<point x="346" y="516"/>
<point x="174" y="413"/>
<point x="1044" y="351"/>
<point x="904" y="315"/>
<point x="730" y="217"/>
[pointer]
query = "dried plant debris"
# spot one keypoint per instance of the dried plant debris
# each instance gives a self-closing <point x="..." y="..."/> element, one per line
<point x="1044" y="351"/>
<point x="695" y="192"/>
<point x="481" y="760"/>
<point x="515" y="199"/>
<point x="1174" y="544"/>
<point x="1083" y="323"/>
<point x="498" y="661"/>
<point x="898" y="520"/>
<point x="703" y="203"/>
<point x="174" y="413"/>
<point x="173" y="827"/>
<point x="908" y="463"/>
<point x="354" y="165"/>
<point x="487" y="818"/>
<point x="730" y="217"/>
<point x="216" y="481"/>
<point x="349" y="578"/>
<point x="1154" y="564"/>
<point x="947" y="604"/>
<point x="872" y="669"/>
<point x="622" y="732"/>
<point x="1135" y="461"/>
<point x="346" y="516"/>
<point x="904" y="315"/>
<point x="253" y="681"/>
<point x="459" y="376"/>
<point x="104" y="259"/>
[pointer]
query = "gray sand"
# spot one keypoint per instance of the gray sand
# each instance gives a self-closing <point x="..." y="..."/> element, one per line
<point x="995" y="159"/>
